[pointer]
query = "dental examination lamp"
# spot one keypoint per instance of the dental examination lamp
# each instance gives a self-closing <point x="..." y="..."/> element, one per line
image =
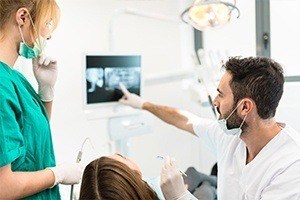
<point x="206" y="14"/>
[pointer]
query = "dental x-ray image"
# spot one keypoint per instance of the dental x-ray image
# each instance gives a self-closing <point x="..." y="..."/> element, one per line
<point x="104" y="73"/>
<point x="95" y="77"/>
<point x="130" y="77"/>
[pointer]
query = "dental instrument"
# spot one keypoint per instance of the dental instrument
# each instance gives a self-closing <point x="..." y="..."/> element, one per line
<point x="161" y="158"/>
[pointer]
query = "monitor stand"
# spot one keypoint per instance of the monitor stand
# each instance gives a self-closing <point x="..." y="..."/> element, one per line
<point x="121" y="129"/>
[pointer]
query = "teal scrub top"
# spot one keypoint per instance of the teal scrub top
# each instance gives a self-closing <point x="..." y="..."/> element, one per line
<point x="25" y="136"/>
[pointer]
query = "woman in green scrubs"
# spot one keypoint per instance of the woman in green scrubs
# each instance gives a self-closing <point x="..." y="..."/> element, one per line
<point x="27" y="161"/>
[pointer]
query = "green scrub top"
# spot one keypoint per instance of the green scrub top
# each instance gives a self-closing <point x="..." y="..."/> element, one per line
<point x="25" y="136"/>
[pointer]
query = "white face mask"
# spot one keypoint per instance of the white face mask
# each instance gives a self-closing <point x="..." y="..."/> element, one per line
<point x="234" y="131"/>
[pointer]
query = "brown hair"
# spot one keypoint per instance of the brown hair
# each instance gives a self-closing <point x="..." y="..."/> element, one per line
<point x="40" y="11"/>
<point x="260" y="79"/>
<point x="106" y="178"/>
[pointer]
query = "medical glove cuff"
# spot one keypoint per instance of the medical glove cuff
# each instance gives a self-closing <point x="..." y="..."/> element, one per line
<point x="67" y="174"/>
<point x="46" y="93"/>
<point x="172" y="183"/>
<point x="184" y="196"/>
<point x="57" y="176"/>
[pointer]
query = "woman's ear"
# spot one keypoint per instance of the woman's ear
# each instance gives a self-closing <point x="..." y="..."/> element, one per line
<point x="22" y="16"/>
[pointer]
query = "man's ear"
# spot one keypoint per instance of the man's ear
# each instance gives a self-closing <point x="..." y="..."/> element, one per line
<point x="247" y="106"/>
<point x="22" y="16"/>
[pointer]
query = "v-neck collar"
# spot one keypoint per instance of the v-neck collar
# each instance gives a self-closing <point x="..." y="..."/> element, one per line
<point x="263" y="151"/>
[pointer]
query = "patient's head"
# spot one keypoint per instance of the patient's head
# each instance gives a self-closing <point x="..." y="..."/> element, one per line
<point x="127" y="161"/>
<point x="114" y="177"/>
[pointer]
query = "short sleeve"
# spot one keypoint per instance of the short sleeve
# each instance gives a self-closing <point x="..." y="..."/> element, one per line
<point x="284" y="186"/>
<point x="209" y="131"/>
<point x="11" y="138"/>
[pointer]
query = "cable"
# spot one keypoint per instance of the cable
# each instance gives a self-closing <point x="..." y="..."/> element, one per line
<point x="78" y="160"/>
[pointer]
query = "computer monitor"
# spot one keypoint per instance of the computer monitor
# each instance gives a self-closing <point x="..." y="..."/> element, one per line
<point x="103" y="74"/>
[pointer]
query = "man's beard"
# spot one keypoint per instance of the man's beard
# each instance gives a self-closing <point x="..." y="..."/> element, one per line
<point x="234" y="120"/>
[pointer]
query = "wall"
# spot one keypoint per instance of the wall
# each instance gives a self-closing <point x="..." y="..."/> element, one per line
<point x="285" y="34"/>
<point x="238" y="37"/>
<point x="285" y="50"/>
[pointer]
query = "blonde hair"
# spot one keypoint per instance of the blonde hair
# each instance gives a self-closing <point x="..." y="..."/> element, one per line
<point x="41" y="11"/>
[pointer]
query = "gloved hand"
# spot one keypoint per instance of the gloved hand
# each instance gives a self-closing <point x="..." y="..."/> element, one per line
<point x="130" y="99"/>
<point x="67" y="174"/>
<point x="171" y="182"/>
<point x="45" y="72"/>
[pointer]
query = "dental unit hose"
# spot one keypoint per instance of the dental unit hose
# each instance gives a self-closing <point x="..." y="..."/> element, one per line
<point x="78" y="160"/>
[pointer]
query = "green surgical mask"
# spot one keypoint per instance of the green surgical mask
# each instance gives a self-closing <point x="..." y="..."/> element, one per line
<point x="31" y="53"/>
<point x="35" y="52"/>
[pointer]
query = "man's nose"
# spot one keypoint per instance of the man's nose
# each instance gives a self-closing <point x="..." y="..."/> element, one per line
<point x="215" y="102"/>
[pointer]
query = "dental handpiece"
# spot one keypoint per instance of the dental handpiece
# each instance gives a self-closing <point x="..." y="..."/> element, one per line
<point x="161" y="158"/>
<point x="79" y="156"/>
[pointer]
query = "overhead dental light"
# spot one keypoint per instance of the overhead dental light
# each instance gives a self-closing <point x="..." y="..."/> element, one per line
<point x="206" y="14"/>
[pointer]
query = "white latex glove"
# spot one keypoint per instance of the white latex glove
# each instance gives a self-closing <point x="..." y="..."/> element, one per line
<point x="67" y="174"/>
<point x="171" y="182"/>
<point x="45" y="72"/>
<point x="130" y="99"/>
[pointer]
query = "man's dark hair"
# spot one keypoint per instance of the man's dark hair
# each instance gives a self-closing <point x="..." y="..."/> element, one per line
<point x="260" y="79"/>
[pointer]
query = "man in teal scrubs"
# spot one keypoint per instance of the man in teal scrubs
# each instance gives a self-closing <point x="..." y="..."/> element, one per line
<point x="27" y="161"/>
